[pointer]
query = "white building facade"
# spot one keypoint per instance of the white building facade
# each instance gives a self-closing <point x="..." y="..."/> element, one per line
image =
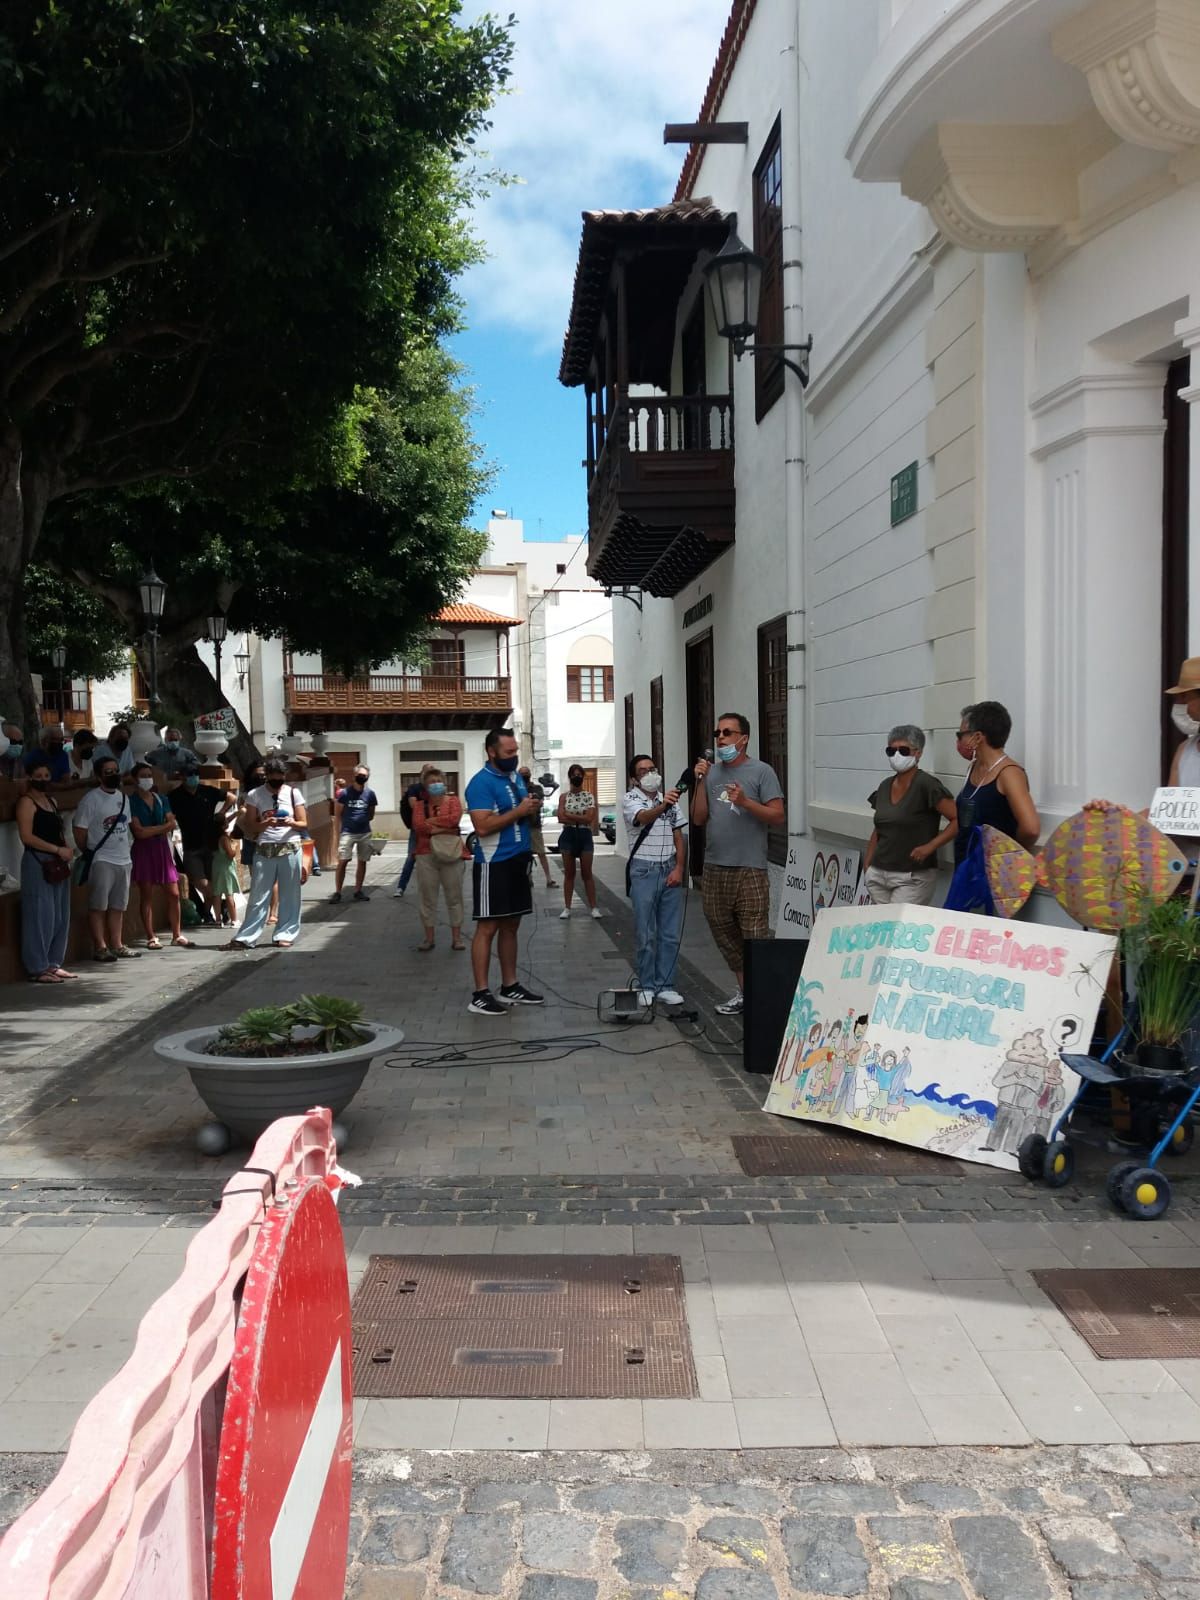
<point x="985" y="215"/>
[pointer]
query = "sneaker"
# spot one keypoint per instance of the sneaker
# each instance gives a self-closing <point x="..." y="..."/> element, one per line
<point x="597" y="913"/>
<point x="104" y="955"/>
<point x="317" y="869"/>
<point x="360" y="895"/>
<point x="733" y="1007"/>
<point x="397" y="894"/>
<point x="335" y="897"/>
<point x="670" y="997"/>
<point x="565" y="916"/>
<point x="485" y="1004"/>
<point x="516" y="994"/>
<point x="645" y="998"/>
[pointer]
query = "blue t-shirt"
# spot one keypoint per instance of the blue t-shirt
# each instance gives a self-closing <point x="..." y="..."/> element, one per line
<point x="490" y="790"/>
<point x="357" y="805"/>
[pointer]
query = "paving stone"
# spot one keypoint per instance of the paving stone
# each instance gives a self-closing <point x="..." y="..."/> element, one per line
<point x="851" y="1498"/>
<point x="742" y="1537"/>
<point x="742" y="1497"/>
<point x="654" y="1499"/>
<point x="825" y="1555"/>
<point x="926" y="1589"/>
<point x="1157" y="1543"/>
<point x="395" y="1541"/>
<point x="1156" y="1495"/>
<point x="1097" y="1497"/>
<point x="910" y="1546"/>
<point x="479" y="1552"/>
<point x="649" y="1549"/>
<point x="543" y="1586"/>
<point x="1087" y="1547"/>
<point x="1022" y="1497"/>
<point x="1106" y="1589"/>
<point x="728" y="1583"/>
<point x="1179" y="1591"/>
<point x="942" y="1496"/>
<point x="1000" y="1559"/>
<point x="389" y="1498"/>
<point x="558" y="1542"/>
<point x="500" y="1496"/>
<point x="385" y="1583"/>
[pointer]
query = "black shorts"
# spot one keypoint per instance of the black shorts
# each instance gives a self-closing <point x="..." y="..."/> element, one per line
<point x="576" y="840"/>
<point x="502" y="888"/>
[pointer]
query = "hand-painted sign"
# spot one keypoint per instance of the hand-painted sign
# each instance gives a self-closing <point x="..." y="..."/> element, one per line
<point x="816" y="876"/>
<point x="938" y="1029"/>
<point x="1176" y="811"/>
<point x="223" y="720"/>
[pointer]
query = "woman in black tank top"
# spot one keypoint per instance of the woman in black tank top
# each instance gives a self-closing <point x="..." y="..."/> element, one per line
<point x="45" y="907"/>
<point x="996" y="791"/>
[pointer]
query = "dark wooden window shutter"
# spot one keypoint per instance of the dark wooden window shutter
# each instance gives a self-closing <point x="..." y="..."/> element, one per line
<point x="768" y="242"/>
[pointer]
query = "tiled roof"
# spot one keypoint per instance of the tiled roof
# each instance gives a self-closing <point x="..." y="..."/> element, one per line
<point x="727" y="53"/>
<point x="472" y="616"/>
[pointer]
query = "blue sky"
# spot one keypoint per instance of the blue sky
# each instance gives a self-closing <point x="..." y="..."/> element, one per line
<point x="580" y="129"/>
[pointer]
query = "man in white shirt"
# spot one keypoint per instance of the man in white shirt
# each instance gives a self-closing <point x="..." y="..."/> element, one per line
<point x="79" y="756"/>
<point x="655" y="877"/>
<point x="101" y="825"/>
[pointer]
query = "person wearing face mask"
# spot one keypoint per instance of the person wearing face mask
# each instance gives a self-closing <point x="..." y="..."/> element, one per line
<point x="737" y="799"/>
<point x="200" y="810"/>
<point x="536" y="837"/>
<point x="51" y="751"/>
<point x="275" y="817"/>
<point x="117" y="746"/>
<point x="578" y="813"/>
<point x="172" y="756"/>
<point x="439" y="854"/>
<point x="79" y="757"/>
<point x="253" y="778"/>
<point x="1185" y="714"/>
<point x="996" y="791"/>
<point x="500" y="811"/>
<point x="353" y="812"/>
<point x="901" y="857"/>
<point x="153" y="822"/>
<point x="101" y="828"/>
<point x="45" y="881"/>
<point x="12" y="762"/>
<point x="654" y="880"/>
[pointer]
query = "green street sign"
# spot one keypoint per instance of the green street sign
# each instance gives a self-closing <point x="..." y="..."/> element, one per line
<point x="904" y="494"/>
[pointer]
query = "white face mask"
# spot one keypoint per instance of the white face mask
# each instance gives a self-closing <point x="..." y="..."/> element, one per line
<point x="899" y="763"/>
<point x="1188" y="726"/>
<point x="651" y="782"/>
<point x="145" y="783"/>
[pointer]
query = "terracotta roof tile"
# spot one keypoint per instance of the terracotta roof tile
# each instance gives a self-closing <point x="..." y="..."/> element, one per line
<point x="469" y="615"/>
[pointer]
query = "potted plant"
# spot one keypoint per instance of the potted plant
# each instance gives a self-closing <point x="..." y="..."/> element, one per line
<point x="278" y="1061"/>
<point x="1162" y="952"/>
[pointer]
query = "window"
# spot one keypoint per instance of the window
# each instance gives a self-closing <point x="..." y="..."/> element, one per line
<point x="589" y="685"/>
<point x="772" y="717"/>
<point x="656" y="723"/>
<point x="630" y="733"/>
<point x="447" y="658"/>
<point x="768" y="242"/>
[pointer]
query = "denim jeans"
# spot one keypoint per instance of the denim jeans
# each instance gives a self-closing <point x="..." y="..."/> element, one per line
<point x="657" y="922"/>
<point x="265" y="874"/>
<point x="410" y="862"/>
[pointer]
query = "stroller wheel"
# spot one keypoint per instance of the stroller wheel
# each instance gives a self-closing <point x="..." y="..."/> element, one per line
<point x="1146" y="1194"/>
<point x="1058" y="1164"/>
<point x="1115" y="1181"/>
<point x="1031" y="1154"/>
<point x="1181" y="1140"/>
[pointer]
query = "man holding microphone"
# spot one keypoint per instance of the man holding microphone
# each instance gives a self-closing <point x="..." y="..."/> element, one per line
<point x="500" y="808"/>
<point x="655" y="880"/>
<point x="737" y="798"/>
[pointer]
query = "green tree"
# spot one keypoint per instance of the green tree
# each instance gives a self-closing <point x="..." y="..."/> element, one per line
<point x="219" y="220"/>
<point x="58" y="613"/>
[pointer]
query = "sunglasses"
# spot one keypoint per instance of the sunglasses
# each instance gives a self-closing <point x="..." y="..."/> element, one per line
<point x="727" y="733"/>
<point x="898" y="750"/>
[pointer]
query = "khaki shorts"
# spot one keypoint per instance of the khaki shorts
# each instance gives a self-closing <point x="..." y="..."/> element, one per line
<point x="108" y="885"/>
<point x="348" y="842"/>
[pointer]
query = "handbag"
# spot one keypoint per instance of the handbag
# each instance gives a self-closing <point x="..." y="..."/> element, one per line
<point x="54" y="868"/>
<point x="446" y="846"/>
<point x="83" y="867"/>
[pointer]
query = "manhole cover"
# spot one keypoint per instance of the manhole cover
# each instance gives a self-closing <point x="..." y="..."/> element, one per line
<point x="539" y="1327"/>
<point x="811" y="1155"/>
<point x="1129" y="1312"/>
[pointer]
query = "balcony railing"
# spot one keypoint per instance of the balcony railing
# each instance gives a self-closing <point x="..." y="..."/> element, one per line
<point x="391" y="692"/>
<point x="72" y="708"/>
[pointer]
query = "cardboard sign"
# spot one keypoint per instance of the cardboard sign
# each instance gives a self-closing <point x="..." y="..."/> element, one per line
<point x="816" y="876"/>
<point x="224" y="721"/>
<point x="1176" y="811"/>
<point x="939" y="1029"/>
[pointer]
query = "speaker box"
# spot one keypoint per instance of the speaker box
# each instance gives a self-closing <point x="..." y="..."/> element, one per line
<point x="772" y="967"/>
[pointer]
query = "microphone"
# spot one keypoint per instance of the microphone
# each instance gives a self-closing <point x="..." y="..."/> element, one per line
<point x="688" y="777"/>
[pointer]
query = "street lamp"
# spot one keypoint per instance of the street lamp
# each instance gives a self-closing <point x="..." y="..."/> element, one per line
<point x="59" y="658"/>
<point x="218" y="627"/>
<point x="241" y="661"/>
<point x="152" y="592"/>
<point x="734" y="276"/>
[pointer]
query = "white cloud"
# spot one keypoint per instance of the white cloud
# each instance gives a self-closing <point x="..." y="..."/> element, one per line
<point x="592" y="85"/>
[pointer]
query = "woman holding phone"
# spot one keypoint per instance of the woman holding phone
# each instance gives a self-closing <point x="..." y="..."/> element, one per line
<point x="274" y="816"/>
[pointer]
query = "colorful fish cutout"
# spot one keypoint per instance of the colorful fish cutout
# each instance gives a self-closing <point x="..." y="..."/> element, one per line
<point x="1101" y="867"/>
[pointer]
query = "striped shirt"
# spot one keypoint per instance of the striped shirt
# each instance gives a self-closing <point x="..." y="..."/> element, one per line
<point x="659" y="844"/>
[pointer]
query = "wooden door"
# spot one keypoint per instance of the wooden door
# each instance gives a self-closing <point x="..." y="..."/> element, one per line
<point x="590" y="775"/>
<point x="343" y="763"/>
<point x="1176" y="490"/>
<point x="701" y="720"/>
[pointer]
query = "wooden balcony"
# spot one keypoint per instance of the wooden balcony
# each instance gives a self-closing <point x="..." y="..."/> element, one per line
<point x="661" y="491"/>
<point x="72" y="708"/>
<point x="384" y="701"/>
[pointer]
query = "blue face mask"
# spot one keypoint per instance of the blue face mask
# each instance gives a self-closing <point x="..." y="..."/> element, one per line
<point x="172" y="744"/>
<point x="191" y="782"/>
<point x="506" y="763"/>
<point x="15" y="749"/>
<point x="727" y="752"/>
<point x="436" y="789"/>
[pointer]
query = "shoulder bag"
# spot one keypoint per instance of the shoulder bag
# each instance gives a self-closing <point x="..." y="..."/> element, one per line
<point x="639" y="842"/>
<point x="83" y="867"/>
<point x="54" y="868"/>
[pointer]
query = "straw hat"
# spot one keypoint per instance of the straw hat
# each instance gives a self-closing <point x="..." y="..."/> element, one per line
<point x="1189" y="677"/>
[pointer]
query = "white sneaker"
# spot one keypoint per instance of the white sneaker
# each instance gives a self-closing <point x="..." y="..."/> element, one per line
<point x="397" y="894"/>
<point x="597" y="913"/>
<point x="564" y="916"/>
<point x="670" y="997"/>
<point x="645" y="998"/>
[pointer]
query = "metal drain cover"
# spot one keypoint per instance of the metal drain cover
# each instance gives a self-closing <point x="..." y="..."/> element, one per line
<point x="803" y="1155"/>
<point x="540" y="1327"/>
<point x="1129" y="1312"/>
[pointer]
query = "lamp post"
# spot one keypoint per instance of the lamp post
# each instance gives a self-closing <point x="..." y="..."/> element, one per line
<point x="152" y="592"/>
<point x="241" y="662"/>
<point x="734" y="277"/>
<point x="59" y="658"/>
<point x="218" y="626"/>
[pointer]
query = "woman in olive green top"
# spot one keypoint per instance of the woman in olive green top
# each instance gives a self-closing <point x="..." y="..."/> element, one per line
<point x="901" y="863"/>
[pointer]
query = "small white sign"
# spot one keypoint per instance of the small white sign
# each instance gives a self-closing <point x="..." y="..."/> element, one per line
<point x="1176" y="811"/>
<point x="224" y="720"/>
<point x="816" y="876"/>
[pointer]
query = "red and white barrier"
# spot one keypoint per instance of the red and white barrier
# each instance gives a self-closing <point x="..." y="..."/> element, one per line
<point x="223" y="1444"/>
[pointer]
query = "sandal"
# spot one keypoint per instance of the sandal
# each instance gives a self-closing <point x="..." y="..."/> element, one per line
<point x="282" y="944"/>
<point x="458" y="947"/>
<point x="61" y="972"/>
<point x="236" y="944"/>
<point x="183" y="944"/>
<point x="426" y="945"/>
<point x="124" y="953"/>
<point x="154" y="944"/>
<point x="46" y="977"/>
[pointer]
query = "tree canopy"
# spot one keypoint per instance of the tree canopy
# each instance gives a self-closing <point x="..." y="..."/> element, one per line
<point x="222" y="222"/>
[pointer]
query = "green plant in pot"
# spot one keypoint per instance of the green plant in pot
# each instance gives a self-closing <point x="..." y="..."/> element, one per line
<point x="327" y="1023"/>
<point x="1162" y="952"/>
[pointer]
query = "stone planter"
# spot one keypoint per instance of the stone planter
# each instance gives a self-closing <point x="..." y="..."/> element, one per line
<point x="247" y="1093"/>
<point x="210" y="743"/>
<point x="143" y="737"/>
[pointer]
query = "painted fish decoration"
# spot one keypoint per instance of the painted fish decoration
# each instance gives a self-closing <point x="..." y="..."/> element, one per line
<point x="1101" y="867"/>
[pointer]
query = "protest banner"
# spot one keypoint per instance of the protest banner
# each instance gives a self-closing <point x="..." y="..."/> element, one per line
<point x="1176" y="811"/>
<point x="938" y="1029"/>
<point x="816" y="876"/>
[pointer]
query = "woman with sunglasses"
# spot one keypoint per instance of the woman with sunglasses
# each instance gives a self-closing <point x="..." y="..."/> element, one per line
<point x="901" y="860"/>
